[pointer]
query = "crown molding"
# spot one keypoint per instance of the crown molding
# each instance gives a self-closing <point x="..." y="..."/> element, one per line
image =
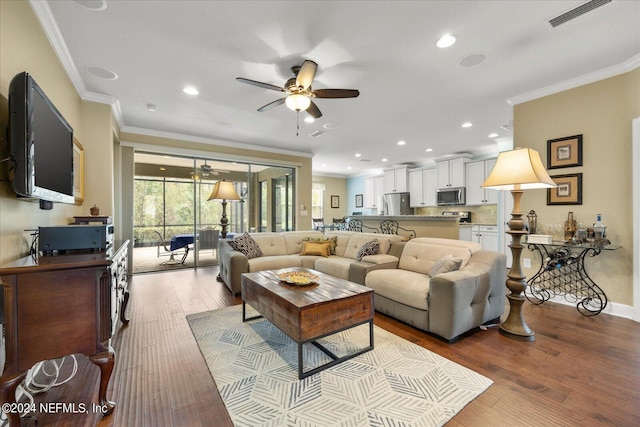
<point x="627" y="66"/>
<point x="212" y="141"/>
<point x="52" y="32"/>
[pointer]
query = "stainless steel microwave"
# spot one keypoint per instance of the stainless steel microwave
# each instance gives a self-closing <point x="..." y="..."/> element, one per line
<point x="451" y="196"/>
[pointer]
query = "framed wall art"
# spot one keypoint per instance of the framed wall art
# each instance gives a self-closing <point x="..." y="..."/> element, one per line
<point x="568" y="191"/>
<point x="78" y="172"/>
<point x="564" y="152"/>
<point x="358" y="200"/>
<point x="335" y="201"/>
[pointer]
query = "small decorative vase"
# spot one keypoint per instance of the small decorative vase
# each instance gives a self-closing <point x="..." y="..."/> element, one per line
<point x="95" y="211"/>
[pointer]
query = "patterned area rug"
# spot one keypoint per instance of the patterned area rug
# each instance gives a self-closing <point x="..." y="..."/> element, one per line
<point x="398" y="383"/>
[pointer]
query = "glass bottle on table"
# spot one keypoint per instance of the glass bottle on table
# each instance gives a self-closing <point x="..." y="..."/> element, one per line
<point x="570" y="227"/>
<point x="598" y="228"/>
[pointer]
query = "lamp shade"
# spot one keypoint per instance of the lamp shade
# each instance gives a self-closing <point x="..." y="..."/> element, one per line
<point x="298" y="102"/>
<point x="518" y="169"/>
<point x="224" y="190"/>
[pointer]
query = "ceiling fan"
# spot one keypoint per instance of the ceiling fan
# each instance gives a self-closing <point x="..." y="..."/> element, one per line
<point x="206" y="170"/>
<point x="299" y="92"/>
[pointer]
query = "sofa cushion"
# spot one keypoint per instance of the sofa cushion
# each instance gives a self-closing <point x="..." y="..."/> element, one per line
<point x="333" y="240"/>
<point x="293" y="240"/>
<point x="445" y="264"/>
<point x="406" y="287"/>
<point x="270" y="243"/>
<point x="369" y="248"/>
<point x="316" y="248"/>
<point x="357" y="240"/>
<point x="419" y="257"/>
<point x="274" y="262"/>
<point x="335" y="266"/>
<point x="245" y="244"/>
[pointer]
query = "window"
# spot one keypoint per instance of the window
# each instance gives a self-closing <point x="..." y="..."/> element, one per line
<point x="317" y="195"/>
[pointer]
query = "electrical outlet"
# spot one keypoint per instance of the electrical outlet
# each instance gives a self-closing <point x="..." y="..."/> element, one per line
<point x="527" y="263"/>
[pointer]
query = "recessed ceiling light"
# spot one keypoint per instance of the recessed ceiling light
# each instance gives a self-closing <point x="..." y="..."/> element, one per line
<point x="467" y="124"/>
<point x="446" y="40"/>
<point x="92" y="4"/>
<point x="349" y="167"/>
<point x="385" y="160"/>
<point x="102" y="73"/>
<point x="493" y="135"/>
<point x="428" y="150"/>
<point x="358" y="155"/>
<point x="324" y="164"/>
<point x="401" y="142"/>
<point x="190" y="90"/>
<point x="330" y="126"/>
<point x="472" y="59"/>
<point x="163" y="169"/>
<point x="151" y="107"/>
<point x="309" y="119"/>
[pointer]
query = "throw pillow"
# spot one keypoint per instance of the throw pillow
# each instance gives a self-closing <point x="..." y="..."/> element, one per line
<point x="445" y="264"/>
<point x="369" y="248"/>
<point x="316" y="248"/>
<point x="246" y="245"/>
<point x="333" y="240"/>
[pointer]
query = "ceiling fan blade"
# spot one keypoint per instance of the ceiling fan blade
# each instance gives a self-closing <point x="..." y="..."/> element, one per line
<point x="336" y="93"/>
<point x="259" y="84"/>
<point x="314" y="111"/>
<point x="271" y="105"/>
<point x="306" y="74"/>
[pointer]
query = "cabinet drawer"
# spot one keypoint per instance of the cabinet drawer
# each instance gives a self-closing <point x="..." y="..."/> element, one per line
<point x="488" y="228"/>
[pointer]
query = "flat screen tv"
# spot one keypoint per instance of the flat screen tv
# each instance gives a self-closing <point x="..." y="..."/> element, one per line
<point x="40" y="144"/>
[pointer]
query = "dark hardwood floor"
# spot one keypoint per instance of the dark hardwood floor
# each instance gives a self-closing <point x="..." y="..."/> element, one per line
<point x="579" y="371"/>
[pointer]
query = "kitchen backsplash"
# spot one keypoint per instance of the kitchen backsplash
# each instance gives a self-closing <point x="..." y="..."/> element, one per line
<point x="487" y="214"/>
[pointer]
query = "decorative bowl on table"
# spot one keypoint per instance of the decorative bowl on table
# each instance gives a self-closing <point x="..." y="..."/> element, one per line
<point x="298" y="278"/>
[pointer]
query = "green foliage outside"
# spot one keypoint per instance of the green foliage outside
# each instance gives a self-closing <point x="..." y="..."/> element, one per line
<point x="166" y="206"/>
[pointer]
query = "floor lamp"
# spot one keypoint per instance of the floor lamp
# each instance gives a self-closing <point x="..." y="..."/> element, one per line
<point x="517" y="170"/>
<point x="224" y="190"/>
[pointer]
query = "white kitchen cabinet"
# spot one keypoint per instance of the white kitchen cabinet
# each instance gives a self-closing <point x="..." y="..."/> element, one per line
<point x="396" y="181"/>
<point x="486" y="235"/>
<point x="466" y="233"/>
<point x="451" y="173"/>
<point x="422" y="188"/>
<point x="476" y="174"/>
<point x="373" y="190"/>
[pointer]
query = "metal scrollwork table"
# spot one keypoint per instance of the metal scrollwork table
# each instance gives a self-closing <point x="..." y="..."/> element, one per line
<point x="562" y="272"/>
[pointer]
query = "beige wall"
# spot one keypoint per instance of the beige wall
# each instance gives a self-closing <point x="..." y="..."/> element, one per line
<point x="602" y="112"/>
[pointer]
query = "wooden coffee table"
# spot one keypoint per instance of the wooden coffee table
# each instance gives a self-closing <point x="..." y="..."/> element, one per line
<point x="308" y="313"/>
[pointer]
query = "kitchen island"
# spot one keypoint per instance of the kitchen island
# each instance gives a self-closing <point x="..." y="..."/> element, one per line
<point x="446" y="227"/>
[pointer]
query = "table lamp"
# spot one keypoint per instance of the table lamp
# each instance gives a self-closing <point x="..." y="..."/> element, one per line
<point x="517" y="170"/>
<point x="224" y="190"/>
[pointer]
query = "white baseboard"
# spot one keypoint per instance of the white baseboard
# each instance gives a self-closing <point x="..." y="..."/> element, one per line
<point x="613" y="308"/>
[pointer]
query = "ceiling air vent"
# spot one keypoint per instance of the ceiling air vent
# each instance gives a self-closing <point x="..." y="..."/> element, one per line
<point x="578" y="11"/>
<point x="316" y="133"/>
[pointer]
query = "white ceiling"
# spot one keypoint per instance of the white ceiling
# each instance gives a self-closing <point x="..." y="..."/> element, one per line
<point x="409" y="89"/>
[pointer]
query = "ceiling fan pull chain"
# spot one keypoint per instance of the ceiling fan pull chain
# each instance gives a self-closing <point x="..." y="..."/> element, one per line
<point x="297" y="123"/>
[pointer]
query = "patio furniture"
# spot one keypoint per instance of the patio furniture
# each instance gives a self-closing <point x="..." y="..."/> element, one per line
<point x="164" y="250"/>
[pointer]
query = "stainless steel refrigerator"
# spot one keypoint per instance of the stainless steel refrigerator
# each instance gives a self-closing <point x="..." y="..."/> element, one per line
<point x="397" y="204"/>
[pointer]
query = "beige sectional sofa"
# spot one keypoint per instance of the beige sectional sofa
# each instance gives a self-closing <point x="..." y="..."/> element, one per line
<point x="447" y="304"/>
<point x="282" y="250"/>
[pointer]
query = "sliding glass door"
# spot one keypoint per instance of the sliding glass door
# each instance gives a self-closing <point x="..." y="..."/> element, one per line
<point x="177" y="223"/>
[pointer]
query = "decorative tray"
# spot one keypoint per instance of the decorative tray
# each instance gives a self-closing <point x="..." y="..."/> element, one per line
<point x="299" y="278"/>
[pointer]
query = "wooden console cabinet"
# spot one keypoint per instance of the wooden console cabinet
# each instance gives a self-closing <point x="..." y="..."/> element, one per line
<point x="56" y="305"/>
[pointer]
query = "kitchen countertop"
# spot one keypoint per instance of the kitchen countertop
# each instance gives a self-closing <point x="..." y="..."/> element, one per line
<point x="406" y="217"/>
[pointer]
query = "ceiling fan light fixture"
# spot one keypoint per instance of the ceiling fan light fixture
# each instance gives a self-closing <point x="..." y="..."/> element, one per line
<point x="297" y="102"/>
